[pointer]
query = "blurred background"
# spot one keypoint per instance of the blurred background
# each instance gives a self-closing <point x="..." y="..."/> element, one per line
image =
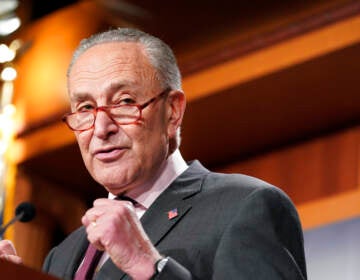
<point x="272" y="90"/>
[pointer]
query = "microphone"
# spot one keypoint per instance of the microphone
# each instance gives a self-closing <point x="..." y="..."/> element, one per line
<point x="24" y="212"/>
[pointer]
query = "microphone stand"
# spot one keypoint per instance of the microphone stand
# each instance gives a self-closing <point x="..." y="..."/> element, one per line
<point x="13" y="220"/>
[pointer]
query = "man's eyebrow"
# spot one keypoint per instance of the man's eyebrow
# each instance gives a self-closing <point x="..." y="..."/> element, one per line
<point x="79" y="96"/>
<point x="113" y="87"/>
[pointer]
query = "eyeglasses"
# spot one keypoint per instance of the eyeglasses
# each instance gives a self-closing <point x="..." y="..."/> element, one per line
<point x="121" y="114"/>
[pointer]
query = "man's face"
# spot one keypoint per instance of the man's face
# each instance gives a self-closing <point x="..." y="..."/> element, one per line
<point x="120" y="157"/>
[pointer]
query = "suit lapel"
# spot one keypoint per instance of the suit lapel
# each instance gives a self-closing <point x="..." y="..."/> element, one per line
<point x="155" y="221"/>
<point x="176" y="197"/>
<point x="77" y="254"/>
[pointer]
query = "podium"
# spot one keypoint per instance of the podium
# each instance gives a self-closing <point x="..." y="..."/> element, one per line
<point x="11" y="271"/>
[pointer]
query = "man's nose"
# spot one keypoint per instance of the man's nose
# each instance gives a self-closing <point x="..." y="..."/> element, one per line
<point x="104" y="124"/>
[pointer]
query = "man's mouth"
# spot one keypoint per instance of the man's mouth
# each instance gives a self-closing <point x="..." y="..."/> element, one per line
<point x="109" y="154"/>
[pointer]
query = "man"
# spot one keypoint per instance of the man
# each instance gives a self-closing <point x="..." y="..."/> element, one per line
<point x="184" y="222"/>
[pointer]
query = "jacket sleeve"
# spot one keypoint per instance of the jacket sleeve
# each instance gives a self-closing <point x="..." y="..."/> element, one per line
<point x="174" y="271"/>
<point x="263" y="241"/>
<point x="47" y="261"/>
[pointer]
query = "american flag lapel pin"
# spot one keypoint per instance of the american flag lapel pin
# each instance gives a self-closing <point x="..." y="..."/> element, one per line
<point x="172" y="213"/>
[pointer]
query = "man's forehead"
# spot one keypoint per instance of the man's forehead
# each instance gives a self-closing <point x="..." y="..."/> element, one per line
<point x="108" y="65"/>
<point x="114" y="55"/>
<point x="109" y="88"/>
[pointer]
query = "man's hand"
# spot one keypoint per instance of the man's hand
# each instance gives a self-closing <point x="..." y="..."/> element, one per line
<point x="8" y="252"/>
<point x="113" y="226"/>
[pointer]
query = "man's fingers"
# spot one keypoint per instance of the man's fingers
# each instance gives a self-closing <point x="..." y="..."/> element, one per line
<point x="91" y="216"/>
<point x="104" y="206"/>
<point x="102" y="201"/>
<point x="8" y="252"/>
<point x="104" y="221"/>
<point x="6" y="247"/>
<point x="11" y="258"/>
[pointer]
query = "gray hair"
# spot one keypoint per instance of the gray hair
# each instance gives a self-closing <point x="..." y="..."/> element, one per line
<point x="159" y="53"/>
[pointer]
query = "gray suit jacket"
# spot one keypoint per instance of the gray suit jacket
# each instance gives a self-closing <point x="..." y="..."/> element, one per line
<point x="227" y="227"/>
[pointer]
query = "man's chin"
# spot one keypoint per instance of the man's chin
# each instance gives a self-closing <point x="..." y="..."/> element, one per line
<point x="115" y="184"/>
<point x="117" y="177"/>
<point x="116" y="190"/>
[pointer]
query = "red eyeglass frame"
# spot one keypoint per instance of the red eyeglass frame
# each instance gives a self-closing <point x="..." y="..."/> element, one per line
<point x="106" y="108"/>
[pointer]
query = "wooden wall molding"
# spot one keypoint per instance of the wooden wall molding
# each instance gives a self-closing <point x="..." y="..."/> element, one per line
<point x="237" y="46"/>
<point x="273" y="58"/>
<point x="330" y="209"/>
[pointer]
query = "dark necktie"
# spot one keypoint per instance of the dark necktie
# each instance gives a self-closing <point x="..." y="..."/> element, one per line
<point x="126" y="198"/>
<point x="91" y="260"/>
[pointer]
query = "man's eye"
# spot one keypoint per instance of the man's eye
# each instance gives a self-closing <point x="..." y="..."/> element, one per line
<point x="127" y="101"/>
<point x="86" y="107"/>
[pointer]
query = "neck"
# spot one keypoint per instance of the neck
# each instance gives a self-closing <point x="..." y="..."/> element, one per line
<point x="168" y="172"/>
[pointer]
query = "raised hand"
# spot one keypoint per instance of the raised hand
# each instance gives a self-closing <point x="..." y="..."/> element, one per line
<point x="8" y="252"/>
<point x="114" y="227"/>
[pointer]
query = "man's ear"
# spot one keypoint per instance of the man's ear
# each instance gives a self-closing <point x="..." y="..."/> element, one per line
<point x="175" y="111"/>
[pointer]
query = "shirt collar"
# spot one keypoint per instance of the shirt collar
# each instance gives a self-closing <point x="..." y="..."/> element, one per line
<point x="173" y="167"/>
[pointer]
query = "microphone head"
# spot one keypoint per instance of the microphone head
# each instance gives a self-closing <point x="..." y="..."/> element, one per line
<point x="27" y="210"/>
